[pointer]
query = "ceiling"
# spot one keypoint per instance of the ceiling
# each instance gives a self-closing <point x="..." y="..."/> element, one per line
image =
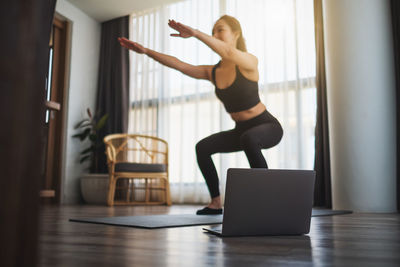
<point x="103" y="10"/>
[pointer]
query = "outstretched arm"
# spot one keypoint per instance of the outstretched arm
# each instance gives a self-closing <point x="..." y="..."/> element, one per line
<point x="198" y="72"/>
<point x="243" y="59"/>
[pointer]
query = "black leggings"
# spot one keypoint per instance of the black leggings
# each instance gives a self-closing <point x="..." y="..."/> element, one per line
<point x="250" y="136"/>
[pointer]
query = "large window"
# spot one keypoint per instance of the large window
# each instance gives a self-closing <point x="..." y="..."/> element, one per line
<point x="184" y="110"/>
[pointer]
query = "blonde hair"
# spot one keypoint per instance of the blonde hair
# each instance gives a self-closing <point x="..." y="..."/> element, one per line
<point x="234" y="24"/>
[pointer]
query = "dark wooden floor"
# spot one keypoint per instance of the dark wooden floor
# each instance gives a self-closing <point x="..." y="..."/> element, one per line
<point x="343" y="240"/>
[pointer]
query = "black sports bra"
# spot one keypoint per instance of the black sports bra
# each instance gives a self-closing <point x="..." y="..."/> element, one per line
<point x="241" y="95"/>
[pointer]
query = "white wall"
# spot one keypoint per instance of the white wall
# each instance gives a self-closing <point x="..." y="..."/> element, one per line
<point x="84" y="62"/>
<point x="361" y="104"/>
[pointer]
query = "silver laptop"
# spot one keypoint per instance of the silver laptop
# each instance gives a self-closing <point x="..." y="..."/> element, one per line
<point x="267" y="202"/>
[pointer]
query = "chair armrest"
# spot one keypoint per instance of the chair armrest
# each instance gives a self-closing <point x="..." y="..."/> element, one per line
<point x="110" y="152"/>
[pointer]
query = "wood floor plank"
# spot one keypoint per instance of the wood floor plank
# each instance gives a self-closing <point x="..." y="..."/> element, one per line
<point x="344" y="240"/>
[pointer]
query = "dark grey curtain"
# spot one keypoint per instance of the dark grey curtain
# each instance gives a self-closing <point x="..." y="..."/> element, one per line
<point x="395" y="7"/>
<point x="113" y="84"/>
<point x="322" y="192"/>
<point x="25" y="27"/>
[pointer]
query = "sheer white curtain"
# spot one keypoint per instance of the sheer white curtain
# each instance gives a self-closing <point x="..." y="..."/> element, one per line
<point x="184" y="110"/>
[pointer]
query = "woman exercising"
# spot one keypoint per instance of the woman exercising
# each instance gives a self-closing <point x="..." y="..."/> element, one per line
<point x="235" y="78"/>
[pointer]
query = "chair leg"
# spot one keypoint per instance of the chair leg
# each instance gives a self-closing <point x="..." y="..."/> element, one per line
<point x="167" y="193"/>
<point x="128" y="192"/>
<point x="111" y="191"/>
<point x="132" y="197"/>
<point x="147" y="195"/>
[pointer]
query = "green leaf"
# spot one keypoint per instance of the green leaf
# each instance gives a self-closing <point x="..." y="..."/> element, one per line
<point x="93" y="137"/>
<point x="88" y="124"/>
<point x="85" y="134"/>
<point x="82" y="135"/>
<point x="83" y="159"/>
<point x="101" y="122"/>
<point x="79" y="124"/>
<point x="89" y="149"/>
<point x="77" y="135"/>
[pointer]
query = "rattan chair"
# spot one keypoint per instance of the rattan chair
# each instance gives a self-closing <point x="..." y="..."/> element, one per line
<point x="140" y="165"/>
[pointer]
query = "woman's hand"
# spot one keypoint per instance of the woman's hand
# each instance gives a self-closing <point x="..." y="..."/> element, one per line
<point x="184" y="30"/>
<point x="132" y="45"/>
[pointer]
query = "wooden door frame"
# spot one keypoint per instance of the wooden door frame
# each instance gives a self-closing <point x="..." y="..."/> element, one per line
<point x="59" y="185"/>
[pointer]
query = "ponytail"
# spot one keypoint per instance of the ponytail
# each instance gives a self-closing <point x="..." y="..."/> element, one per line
<point x="241" y="43"/>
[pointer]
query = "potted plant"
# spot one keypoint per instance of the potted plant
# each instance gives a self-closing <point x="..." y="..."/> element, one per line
<point x="94" y="185"/>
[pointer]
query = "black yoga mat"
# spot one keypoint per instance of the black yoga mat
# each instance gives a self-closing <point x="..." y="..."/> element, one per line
<point x="156" y="221"/>
<point x="164" y="221"/>
<point x="326" y="212"/>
